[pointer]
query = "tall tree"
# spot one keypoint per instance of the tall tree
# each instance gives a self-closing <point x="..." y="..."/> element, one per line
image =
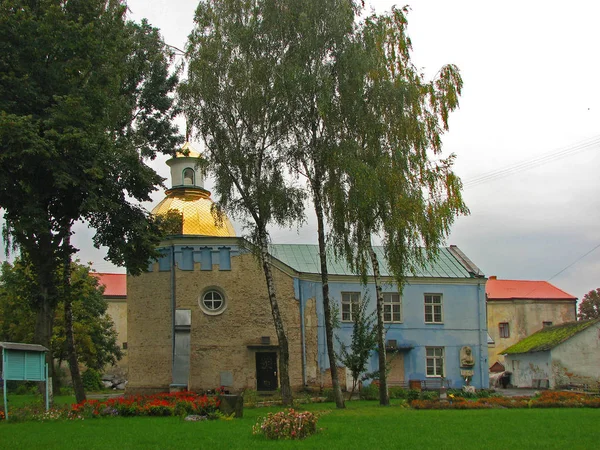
<point x="589" y="307"/>
<point x="393" y="187"/>
<point x="94" y="333"/>
<point x="319" y="31"/>
<point x="235" y="97"/>
<point x="84" y="101"/>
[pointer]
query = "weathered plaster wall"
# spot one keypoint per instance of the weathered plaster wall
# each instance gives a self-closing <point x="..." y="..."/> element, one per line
<point x="527" y="367"/>
<point x="117" y="310"/>
<point x="524" y="317"/>
<point x="577" y="360"/>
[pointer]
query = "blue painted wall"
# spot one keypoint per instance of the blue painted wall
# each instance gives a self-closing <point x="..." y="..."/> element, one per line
<point x="464" y="324"/>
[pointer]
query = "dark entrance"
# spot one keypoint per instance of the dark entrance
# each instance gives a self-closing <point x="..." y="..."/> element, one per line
<point x="266" y="371"/>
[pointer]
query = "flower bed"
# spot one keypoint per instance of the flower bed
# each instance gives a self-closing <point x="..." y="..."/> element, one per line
<point x="287" y="425"/>
<point x="164" y="404"/>
<point x="547" y="399"/>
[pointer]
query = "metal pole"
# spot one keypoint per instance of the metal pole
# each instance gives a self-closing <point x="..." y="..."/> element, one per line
<point x="47" y="390"/>
<point x="4" y="385"/>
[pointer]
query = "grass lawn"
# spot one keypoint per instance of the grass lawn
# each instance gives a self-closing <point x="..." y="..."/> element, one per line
<point x="361" y="425"/>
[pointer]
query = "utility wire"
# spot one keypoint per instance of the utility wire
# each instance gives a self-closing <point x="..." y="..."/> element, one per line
<point x="534" y="162"/>
<point x="574" y="262"/>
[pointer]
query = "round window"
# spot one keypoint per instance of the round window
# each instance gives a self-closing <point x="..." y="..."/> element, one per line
<point x="212" y="302"/>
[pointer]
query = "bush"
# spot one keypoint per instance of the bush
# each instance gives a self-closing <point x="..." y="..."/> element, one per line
<point x="370" y="392"/>
<point x="287" y="425"/>
<point x="92" y="380"/>
<point x="329" y="395"/>
<point x="398" y="392"/>
<point x="429" y="395"/>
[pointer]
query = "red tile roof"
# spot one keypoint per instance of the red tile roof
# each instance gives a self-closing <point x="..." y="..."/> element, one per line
<point x="115" y="284"/>
<point x="524" y="289"/>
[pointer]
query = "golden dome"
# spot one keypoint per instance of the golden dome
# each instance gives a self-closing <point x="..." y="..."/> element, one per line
<point x="191" y="153"/>
<point x="195" y="206"/>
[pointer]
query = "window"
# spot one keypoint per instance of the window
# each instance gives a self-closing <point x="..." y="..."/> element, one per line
<point x="504" y="329"/>
<point x="188" y="177"/>
<point x="434" y="361"/>
<point x="349" y="305"/>
<point x="433" y="308"/>
<point x="124" y="345"/>
<point x="212" y="302"/>
<point x="392" y="307"/>
<point x="546" y="324"/>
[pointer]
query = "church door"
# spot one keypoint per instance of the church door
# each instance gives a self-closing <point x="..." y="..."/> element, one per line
<point x="266" y="371"/>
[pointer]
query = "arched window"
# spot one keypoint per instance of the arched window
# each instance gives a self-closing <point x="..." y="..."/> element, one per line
<point x="188" y="177"/>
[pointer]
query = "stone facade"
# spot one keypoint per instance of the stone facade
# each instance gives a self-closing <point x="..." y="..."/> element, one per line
<point x="222" y="346"/>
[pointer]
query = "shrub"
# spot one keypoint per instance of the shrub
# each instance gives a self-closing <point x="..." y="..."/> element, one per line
<point x="287" y="425"/>
<point x="329" y="395"/>
<point x="429" y="395"/>
<point x="370" y="392"/>
<point x="92" y="380"/>
<point x="250" y="397"/>
<point x="398" y="392"/>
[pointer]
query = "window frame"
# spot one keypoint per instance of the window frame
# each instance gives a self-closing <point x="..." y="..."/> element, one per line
<point x="348" y="305"/>
<point x="438" y="362"/>
<point x="193" y="176"/>
<point x="504" y="330"/>
<point x="389" y="304"/>
<point x="208" y="310"/>
<point x="431" y="306"/>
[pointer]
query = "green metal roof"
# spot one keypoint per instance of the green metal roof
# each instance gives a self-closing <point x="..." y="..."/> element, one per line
<point x="549" y="337"/>
<point x="304" y="258"/>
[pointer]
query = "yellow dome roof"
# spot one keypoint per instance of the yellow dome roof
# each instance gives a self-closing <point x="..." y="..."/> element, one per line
<point x="195" y="205"/>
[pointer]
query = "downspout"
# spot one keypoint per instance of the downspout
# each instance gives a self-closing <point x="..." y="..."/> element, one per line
<point x="480" y="333"/>
<point x="173" y="306"/>
<point x="302" y="332"/>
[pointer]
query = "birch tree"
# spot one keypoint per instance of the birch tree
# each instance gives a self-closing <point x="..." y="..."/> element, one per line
<point x="396" y="184"/>
<point x="319" y="31"/>
<point x="235" y="98"/>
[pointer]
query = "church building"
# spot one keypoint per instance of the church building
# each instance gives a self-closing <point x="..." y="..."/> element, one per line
<point x="200" y="317"/>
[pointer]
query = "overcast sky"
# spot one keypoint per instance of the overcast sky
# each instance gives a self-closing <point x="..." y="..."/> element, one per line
<point x="526" y="136"/>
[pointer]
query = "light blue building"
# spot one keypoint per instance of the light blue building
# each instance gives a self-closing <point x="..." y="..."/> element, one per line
<point x="440" y="312"/>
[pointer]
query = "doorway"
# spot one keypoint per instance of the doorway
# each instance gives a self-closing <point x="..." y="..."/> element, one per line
<point x="266" y="371"/>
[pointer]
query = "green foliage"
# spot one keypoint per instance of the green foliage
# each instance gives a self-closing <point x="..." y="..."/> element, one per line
<point x="85" y="100"/>
<point x="92" y="380"/>
<point x="170" y="223"/>
<point x="355" y="356"/>
<point x="95" y="336"/>
<point x="369" y="392"/>
<point x="589" y="306"/>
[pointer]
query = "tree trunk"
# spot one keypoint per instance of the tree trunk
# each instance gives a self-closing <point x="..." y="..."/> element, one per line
<point x="384" y="398"/>
<point x="335" y="382"/>
<point x="70" y="338"/>
<point x="284" y="353"/>
<point x="44" y="321"/>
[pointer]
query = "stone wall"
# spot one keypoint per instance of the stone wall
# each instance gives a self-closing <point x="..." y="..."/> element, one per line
<point x="149" y="332"/>
<point x="219" y="344"/>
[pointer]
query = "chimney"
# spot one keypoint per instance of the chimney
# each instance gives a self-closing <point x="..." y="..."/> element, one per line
<point x="493" y="277"/>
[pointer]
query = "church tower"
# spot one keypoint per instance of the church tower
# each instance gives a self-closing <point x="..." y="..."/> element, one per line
<point x="188" y="197"/>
